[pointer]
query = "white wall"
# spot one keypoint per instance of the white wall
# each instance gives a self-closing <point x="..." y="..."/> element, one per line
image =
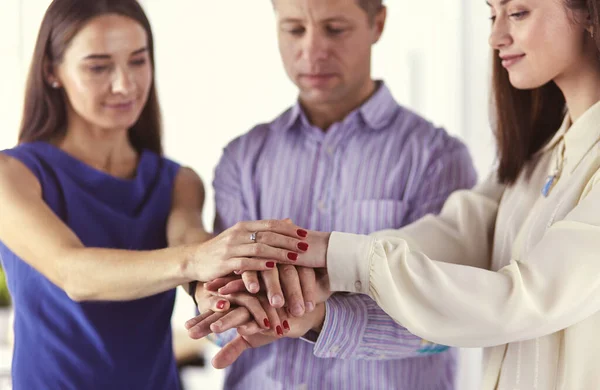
<point x="219" y="73"/>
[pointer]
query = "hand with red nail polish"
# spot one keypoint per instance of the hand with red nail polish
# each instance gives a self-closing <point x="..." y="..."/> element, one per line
<point x="303" y="246"/>
<point x="247" y="246"/>
<point x="250" y="337"/>
<point x="208" y="300"/>
<point x="315" y="255"/>
<point x="232" y="311"/>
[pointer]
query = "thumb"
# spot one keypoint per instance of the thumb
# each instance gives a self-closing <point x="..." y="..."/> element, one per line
<point x="230" y="353"/>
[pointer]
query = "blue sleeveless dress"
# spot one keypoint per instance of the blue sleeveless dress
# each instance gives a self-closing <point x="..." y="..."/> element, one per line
<point x="62" y="344"/>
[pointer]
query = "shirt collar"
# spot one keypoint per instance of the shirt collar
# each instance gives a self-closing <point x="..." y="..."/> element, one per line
<point x="578" y="137"/>
<point x="379" y="109"/>
<point x="581" y="135"/>
<point x="376" y="112"/>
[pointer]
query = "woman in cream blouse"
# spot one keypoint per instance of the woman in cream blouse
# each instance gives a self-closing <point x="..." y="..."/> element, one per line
<point x="514" y="264"/>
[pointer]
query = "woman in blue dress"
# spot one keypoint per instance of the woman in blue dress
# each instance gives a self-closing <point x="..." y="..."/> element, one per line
<point x="97" y="228"/>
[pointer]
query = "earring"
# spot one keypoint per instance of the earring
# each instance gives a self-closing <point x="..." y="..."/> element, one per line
<point x="55" y="84"/>
<point x="592" y="33"/>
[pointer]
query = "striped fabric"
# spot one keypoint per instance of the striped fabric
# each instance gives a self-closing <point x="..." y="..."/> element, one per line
<point x="380" y="168"/>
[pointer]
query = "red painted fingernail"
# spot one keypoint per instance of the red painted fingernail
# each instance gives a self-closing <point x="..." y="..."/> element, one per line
<point x="221" y="305"/>
<point x="303" y="246"/>
<point x="286" y="325"/>
<point x="270" y="264"/>
<point x="292" y="256"/>
<point x="279" y="330"/>
<point x="302" y="233"/>
<point x="267" y="323"/>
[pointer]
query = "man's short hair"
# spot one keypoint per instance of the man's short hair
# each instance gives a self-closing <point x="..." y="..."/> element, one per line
<point x="371" y="7"/>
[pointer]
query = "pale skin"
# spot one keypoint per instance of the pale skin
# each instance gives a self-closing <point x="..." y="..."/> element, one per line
<point x="106" y="75"/>
<point x="325" y="46"/>
<point x="541" y="42"/>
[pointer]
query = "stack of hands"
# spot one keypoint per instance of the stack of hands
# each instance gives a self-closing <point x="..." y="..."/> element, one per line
<point x="285" y="301"/>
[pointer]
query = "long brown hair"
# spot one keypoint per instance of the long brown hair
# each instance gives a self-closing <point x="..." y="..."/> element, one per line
<point x="45" y="108"/>
<point x="524" y="120"/>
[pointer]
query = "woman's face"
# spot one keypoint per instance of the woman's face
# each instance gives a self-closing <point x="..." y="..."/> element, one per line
<point x="106" y="73"/>
<point x="539" y="40"/>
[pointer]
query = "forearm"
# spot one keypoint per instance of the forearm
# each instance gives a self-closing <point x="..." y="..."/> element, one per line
<point x="97" y="274"/>
<point x="550" y="289"/>
<point x="372" y="336"/>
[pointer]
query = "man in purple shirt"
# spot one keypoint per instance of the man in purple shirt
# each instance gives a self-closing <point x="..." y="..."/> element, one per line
<point x="345" y="157"/>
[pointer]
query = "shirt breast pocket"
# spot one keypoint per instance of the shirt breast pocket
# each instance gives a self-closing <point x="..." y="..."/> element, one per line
<point x="368" y="216"/>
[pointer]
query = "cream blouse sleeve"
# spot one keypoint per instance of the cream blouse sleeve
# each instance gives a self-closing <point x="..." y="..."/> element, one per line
<point x="440" y="300"/>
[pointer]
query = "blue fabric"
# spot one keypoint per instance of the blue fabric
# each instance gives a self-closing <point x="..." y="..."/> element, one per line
<point x="62" y="344"/>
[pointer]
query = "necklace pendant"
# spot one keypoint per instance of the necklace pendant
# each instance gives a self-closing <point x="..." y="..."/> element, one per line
<point x="548" y="186"/>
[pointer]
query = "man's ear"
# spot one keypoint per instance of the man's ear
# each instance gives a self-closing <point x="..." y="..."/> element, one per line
<point x="379" y="23"/>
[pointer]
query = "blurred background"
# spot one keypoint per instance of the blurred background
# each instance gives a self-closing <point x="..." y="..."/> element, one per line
<point x="219" y="74"/>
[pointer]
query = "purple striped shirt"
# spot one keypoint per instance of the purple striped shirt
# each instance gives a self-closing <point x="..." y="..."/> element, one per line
<point x="382" y="167"/>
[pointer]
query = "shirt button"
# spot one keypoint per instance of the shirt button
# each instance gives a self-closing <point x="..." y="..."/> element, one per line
<point x="358" y="285"/>
<point x="330" y="151"/>
<point x="335" y="349"/>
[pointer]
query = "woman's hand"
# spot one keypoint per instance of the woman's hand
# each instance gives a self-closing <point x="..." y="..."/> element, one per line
<point x="208" y="300"/>
<point x="250" y="336"/>
<point x="316" y="257"/>
<point x="240" y="316"/>
<point x="247" y="246"/>
<point x="221" y="313"/>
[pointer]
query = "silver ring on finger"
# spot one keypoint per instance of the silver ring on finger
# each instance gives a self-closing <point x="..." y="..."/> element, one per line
<point x="253" y="237"/>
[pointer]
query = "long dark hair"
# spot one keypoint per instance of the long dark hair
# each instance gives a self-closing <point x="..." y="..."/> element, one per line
<point x="45" y="108"/>
<point x="524" y="120"/>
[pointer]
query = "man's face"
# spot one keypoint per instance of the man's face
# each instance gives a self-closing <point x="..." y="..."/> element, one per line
<point x="325" y="46"/>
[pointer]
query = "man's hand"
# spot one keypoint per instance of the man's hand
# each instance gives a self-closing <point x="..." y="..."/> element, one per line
<point x="250" y="336"/>
<point x="303" y="287"/>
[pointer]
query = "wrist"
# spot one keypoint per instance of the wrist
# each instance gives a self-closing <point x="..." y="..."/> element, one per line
<point x="319" y="317"/>
<point x="326" y="240"/>
<point x="322" y="246"/>
<point x="188" y="259"/>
